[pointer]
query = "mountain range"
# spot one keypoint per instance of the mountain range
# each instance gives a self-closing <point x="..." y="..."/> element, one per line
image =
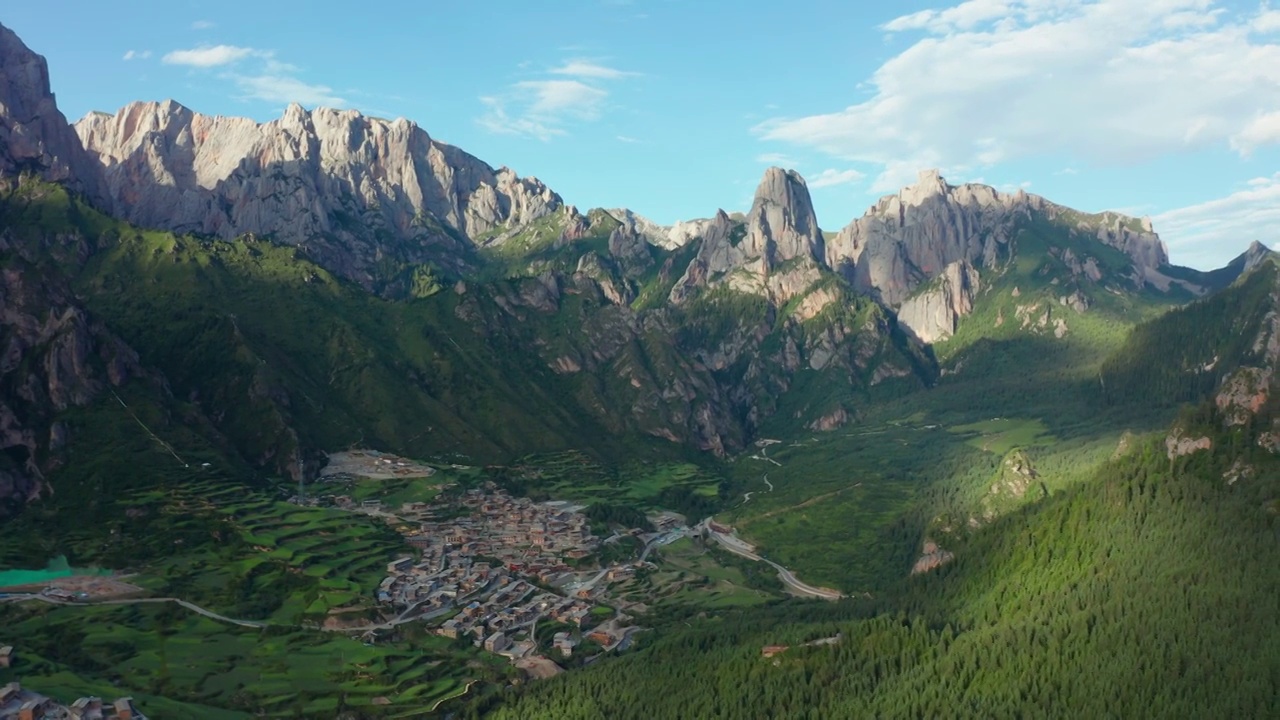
<point x="698" y="334"/>
<point x="186" y="293"/>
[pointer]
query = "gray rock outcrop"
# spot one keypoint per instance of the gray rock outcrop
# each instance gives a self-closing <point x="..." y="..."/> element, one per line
<point x="933" y="315"/>
<point x="34" y="135"/>
<point x="668" y="237"/>
<point x="913" y="236"/>
<point x="775" y="252"/>
<point x="350" y="189"/>
<point x="53" y="356"/>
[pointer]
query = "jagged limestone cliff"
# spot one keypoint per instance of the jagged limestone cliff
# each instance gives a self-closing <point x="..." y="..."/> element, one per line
<point x="353" y="191"/>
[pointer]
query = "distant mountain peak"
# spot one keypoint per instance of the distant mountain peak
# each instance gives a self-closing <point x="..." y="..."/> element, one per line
<point x="929" y="184"/>
<point x="1255" y="255"/>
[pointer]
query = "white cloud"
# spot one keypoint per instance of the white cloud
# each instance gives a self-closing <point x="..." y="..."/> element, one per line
<point x="1210" y="234"/>
<point x="136" y="55"/>
<point x="1268" y="21"/>
<point x="286" y="89"/>
<point x="208" y="56"/>
<point x="542" y="108"/>
<point x="496" y="120"/>
<point x="627" y="139"/>
<point x="263" y="77"/>
<point x="1105" y="82"/>
<point x="588" y="69"/>
<point x="829" y="178"/>
<point x="203" y="25"/>
<point x="549" y="98"/>
<point x="774" y="158"/>
<point x="1264" y="129"/>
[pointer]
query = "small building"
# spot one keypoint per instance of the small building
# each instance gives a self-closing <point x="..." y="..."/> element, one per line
<point x="6" y="656"/>
<point x="87" y="708"/>
<point x="9" y="692"/>
<point x="497" y="642"/>
<point x="399" y="565"/>
<point x="126" y="711"/>
<point x="771" y="650"/>
<point x="601" y="637"/>
<point x="563" y="643"/>
<point x="33" y="709"/>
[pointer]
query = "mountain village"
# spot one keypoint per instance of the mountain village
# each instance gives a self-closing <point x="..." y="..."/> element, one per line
<point x="491" y="567"/>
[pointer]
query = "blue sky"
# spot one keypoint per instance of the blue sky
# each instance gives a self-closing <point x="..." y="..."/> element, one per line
<point x="1168" y="108"/>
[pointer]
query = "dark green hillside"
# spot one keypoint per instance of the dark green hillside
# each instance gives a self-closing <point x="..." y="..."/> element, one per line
<point x="282" y="356"/>
<point x="1181" y="356"/>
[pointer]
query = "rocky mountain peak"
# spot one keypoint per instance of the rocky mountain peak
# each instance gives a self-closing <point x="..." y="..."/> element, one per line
<point x="351" y="189"/>
<point x="929" y="184"/>
<point x="34" y="135"/>
<point x="747" y="254"/>
<point x="782" y="225"/>
<point x="1255" y="255"/>
<point x="912" y="236"/>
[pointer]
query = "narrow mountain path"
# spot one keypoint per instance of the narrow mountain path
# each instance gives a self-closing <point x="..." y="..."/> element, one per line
<point x="138" y="601"/>
<point x="811" y="501"/>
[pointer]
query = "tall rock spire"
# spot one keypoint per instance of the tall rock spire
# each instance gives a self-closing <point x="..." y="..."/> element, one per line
<point x="781" y="225"/>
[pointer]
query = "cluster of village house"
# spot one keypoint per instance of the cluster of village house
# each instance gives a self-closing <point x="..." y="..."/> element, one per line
<point x="19" y="703"/>
<point x="495" y="598"/>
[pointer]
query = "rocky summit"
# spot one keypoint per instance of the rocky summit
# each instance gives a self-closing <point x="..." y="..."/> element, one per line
<point x="349" y="189"/>
<point x="908" y="238"/>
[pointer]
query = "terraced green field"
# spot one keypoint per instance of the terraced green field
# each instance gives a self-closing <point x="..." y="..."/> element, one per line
<point x="150" y="650"/>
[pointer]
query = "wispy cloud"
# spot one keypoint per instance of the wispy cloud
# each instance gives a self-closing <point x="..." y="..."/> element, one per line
<point x="257" y="74"/>
<point x="285" y="89"/>
<point x="627" y="139"/>
<point x="544" y="107"/>
<point x="588" y="69"/>
<point x="1210" y="234"/>
<point x="831" y="178"/>
<point x="136" y="55"/>
<point x="203" y="25"/>
<point x="207" y="56"/>
<point x="1097" y="82"/>
<point x="549" y="98"/>
<point x="497" y="121"/>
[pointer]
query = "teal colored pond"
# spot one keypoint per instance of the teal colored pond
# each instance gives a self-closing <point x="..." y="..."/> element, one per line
<point x="56" y="568"/>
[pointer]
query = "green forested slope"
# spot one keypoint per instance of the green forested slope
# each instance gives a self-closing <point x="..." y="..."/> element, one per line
<point x="1182" y="356"/>
<point x="1144" y="588"/>
<point x="1149" y="591"/>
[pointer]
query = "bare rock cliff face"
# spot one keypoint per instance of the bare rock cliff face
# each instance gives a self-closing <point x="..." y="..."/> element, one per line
<point x="53" y="356"/>
<point x="776" y="252"/>
<point x="933" y="315"/>
<point x="668" y="237"/>
<point x="350" y="189"/>
<point x="911" y="237"/>
<point x="34" y="135"/>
